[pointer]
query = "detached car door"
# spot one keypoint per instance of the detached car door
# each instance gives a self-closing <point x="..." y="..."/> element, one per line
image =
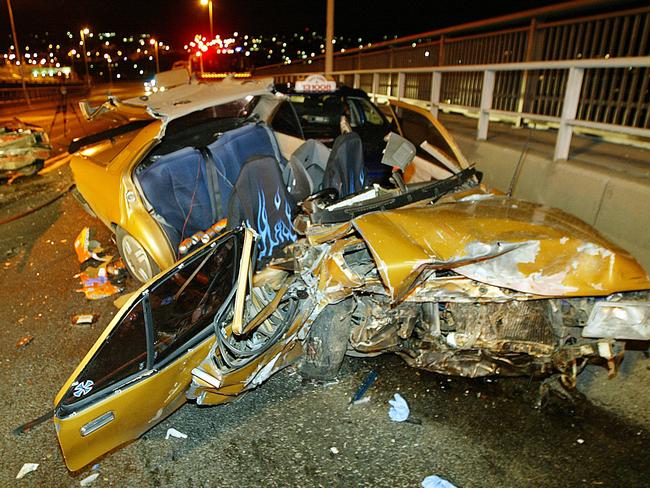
<point x="138" y="370"/>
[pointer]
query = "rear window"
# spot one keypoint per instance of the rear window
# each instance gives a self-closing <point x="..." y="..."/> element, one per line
<point x="320" y="115"/>
<point x="233" y="113"/>
<point x="202" y="127"/>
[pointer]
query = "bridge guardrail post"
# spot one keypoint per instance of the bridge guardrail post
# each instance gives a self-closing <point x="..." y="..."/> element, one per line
<point x="436" y="84"/>
<point x="401" y="85"/>
<point x="569" y="110"/>
<point x="486" y="104"/>
<point x="375" y="86"/>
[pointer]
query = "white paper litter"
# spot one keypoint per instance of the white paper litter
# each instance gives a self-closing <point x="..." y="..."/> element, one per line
<point x="399" y="409"/>
<point x="89" y="479"/>
<point x="27" y="468"/>
<point x="175" y="433"/>
<point x="436" y="482"/>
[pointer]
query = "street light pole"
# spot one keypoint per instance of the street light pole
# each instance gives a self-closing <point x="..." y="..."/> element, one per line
<point x="83" y="33"/>
<point x="109" y="60"/>
<point x="21" y="61"/>
<point x="209" y="5"/>
<point x="329" y="38"/>
<point x="154" y="43"/>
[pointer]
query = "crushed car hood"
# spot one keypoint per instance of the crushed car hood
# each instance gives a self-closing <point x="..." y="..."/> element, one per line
<point x="499" y="241"/>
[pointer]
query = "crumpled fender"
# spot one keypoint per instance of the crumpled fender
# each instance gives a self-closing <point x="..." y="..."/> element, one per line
<point x="499" y="241"/>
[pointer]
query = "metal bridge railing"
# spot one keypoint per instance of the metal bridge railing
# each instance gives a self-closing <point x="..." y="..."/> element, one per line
<point x="574" y="101"/>
<point x="16" y="95"/>
<point x="515" y="62"/>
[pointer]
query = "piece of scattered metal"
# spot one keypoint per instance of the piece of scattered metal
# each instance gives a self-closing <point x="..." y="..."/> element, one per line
<point x="84" y="319"/>
<point x="367" y="383"/>
<point x="171" y="432"/>
<point x="26" y="468"/>
<point x="24" y="341"/>
<point x="26" y="427"/>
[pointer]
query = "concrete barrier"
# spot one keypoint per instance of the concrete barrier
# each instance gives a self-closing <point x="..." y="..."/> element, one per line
<point x="615" y="202"/>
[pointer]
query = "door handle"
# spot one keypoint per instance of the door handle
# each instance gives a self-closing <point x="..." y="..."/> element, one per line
<point x="98" y="423"/>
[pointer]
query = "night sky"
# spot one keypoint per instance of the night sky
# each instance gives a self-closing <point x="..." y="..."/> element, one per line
<point x="177" y="20"/>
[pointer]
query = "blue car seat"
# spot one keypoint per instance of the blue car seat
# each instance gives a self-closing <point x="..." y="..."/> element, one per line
<point x="190" y="189"/>
<point x="345" y="171"/>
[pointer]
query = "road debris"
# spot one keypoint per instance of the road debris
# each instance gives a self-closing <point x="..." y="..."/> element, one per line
<point x="436" y="482"/>
<point x="399" y="409"/>
<point x="367" y="383"/>
<point x="100" y="276"/>
<point x="97" y="287"/>
<point x="87" y="248"/>
<point x="171" y="432"/>
<point x="24" y="341"/>
<point x="27" y="468"/>
<point x="23" y="149"/>
<point x="22" y="429"/>
<point x="88" y="480"/>
<point x="84" y="319"/>
<point x="361" y="401"/>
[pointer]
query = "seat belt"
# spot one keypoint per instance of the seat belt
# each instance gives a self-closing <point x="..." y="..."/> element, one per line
<point x="212" y="181"/>
<point x="274" y="144"/>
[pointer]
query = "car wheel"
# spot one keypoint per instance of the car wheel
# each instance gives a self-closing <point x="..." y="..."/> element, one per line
<point x="327" y="342"/>
<point x="137" y="260"/>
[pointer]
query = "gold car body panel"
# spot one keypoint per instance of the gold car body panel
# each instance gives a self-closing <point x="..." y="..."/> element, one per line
<point x="212" y="386"/>
<point x="117" y="201"/>
<point x="421" y="169"/>
<point x="136" y="408"/>
<point x="138" y="405"/>
<point x="499" y="241"/>
<point x="283" y="353"/>
<point x="458" y="154"/>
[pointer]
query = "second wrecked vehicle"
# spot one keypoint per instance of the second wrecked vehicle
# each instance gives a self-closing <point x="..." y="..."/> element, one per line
<point x="23" y="148"/>
<point x="451" y="276"/>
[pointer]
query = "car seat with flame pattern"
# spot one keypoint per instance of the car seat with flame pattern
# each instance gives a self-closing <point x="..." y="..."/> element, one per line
<point x="261" y="201"/>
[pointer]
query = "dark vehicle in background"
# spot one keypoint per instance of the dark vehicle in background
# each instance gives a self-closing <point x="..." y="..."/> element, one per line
<point x="317" y="115"/>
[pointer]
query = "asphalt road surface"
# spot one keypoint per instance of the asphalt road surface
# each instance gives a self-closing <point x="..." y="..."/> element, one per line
<point x="474" y="433"/>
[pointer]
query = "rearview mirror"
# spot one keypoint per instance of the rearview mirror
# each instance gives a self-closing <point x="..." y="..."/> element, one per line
<point x="399" y="151"/>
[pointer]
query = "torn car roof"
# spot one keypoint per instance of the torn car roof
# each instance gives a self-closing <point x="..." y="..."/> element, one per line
<point x="184" y="99"/>
<point x="179" y="101"/>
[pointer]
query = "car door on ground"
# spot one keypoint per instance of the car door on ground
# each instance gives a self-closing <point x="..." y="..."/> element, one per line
<point x="138" y="370"/>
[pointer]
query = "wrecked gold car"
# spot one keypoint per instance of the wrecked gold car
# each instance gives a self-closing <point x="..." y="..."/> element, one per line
<point x="453" y="277"/>
<point x="23" y="148"/>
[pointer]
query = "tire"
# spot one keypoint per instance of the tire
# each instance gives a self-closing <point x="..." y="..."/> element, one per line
<point x="327" y="342"/>
<point x="135" y="257"/>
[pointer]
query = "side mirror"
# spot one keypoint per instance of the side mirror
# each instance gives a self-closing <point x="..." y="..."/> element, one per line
<point x="399" y="152"/>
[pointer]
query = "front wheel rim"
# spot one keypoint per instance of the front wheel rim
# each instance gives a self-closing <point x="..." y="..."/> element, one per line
<point x="136" y="259"/>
